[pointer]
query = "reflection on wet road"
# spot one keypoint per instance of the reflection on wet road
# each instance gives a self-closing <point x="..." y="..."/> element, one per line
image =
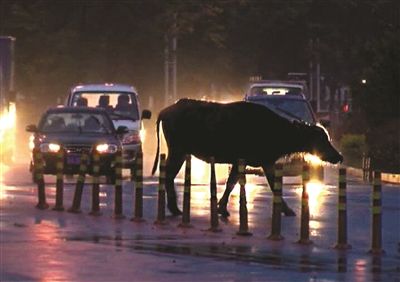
<point x="53" y="231"/>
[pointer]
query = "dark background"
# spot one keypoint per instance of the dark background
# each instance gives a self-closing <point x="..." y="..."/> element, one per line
<point x="220" y="45"/>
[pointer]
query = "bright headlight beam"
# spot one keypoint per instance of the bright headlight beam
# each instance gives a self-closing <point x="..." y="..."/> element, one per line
<point x="102" y="148"/>
<point x="31" y="142"/>
<point x="54" y="147"/>
<point x="313" y="160"/>
<point x="50" y="147"/>
<point x="106" y="148"/>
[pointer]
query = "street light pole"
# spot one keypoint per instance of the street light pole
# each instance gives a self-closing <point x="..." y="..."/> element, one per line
<point x="174" y="68"/>
<point x="170" y="63"/>
<point x="318" y="79"/>
<point x="166" y="70"/>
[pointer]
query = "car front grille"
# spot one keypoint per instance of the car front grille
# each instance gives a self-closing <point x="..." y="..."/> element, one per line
<point x="77" y="148"/>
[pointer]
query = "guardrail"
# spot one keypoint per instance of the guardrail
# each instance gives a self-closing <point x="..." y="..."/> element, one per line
<point x="137" y="178"/>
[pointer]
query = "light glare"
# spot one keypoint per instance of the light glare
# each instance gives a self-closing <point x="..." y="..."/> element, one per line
<point x="102" y="148"/>
<point x="313" y="160"/>
<point x="54" y="147"/>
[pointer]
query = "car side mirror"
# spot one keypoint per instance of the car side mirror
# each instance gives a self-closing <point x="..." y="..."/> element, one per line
<point x="31" y="128"/>
<point x="325" y="122"/>
<point x="146" y="114"/>
<point x="122" y="129"/>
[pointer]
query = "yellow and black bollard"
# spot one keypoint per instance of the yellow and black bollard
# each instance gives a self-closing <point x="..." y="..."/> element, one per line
<point x="213" y="200"/>
<point x="277" y="204"/>
<point x="138" y="215"/>
<point x="377" y="215"/>
<point x="243" y="214"/>
<point x="96" y="184"/>
<point x="161" y="193"/>
<point x="132" y="172"/>
<point x="39" y="177"/>
<point x="342" y="263"/>
<point x="186" y="194"/>
<point x="305" y="209"/>
<point x="118" y="187"/>
<point x="59" y="181"/>
<point x="342" y="212"/>
<point x="76" y="203"/>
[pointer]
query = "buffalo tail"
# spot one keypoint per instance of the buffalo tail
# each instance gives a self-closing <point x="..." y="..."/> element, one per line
<point x="158" y="147"/>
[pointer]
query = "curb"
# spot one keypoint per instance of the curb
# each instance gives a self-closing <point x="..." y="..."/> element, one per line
<point x="386" y="177"/>
<point x="391" y="178"/>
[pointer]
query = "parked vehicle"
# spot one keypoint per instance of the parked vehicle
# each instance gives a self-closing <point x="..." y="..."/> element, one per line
<point x="76" y="131"/>
<point x="121" y="103"/>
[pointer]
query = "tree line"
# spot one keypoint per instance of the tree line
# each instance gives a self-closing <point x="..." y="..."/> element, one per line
<point x="221" y="43"/>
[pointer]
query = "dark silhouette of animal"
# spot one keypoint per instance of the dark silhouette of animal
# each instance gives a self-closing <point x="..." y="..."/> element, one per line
<point x="228" y="132"/>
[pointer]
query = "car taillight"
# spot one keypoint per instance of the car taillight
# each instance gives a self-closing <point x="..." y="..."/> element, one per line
<point x="131" y="137"/>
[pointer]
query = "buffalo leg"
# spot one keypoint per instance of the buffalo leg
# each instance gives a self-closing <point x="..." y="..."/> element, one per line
<point x="173" y="165"/>
<point x="230" y="184"/>
<point x="269" y="173"/>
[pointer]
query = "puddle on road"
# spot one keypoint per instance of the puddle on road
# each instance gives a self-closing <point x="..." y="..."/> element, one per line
<point x="242" y="253"/>
<point x="340" y="263"/>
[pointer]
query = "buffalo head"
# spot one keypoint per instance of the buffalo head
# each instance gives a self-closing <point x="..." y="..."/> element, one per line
<point x="319" y="144"/>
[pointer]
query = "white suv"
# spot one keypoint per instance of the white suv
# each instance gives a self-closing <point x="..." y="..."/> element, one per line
<point x="121" y="103"/>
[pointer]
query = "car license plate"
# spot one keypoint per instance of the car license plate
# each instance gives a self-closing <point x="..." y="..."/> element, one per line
<point x="73" y="159"/>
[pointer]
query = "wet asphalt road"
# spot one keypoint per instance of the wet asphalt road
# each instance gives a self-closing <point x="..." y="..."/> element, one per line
<point x="46" y="245"/>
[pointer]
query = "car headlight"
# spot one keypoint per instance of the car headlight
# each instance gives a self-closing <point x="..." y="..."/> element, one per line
<point x="131" y="137"/>
<point x="49" y="148"/>
<point x="106" y="148"/>
<point x="31" y="142"/>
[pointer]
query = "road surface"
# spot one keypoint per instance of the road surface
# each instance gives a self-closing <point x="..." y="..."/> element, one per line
<point x="46" y="245"/>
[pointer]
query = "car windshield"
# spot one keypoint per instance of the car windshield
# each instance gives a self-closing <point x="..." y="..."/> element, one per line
<point x="75" y="123"/>
<point x="275" y="90"/>
<point x="292" y="107"/>
<point x="120" y="105"/>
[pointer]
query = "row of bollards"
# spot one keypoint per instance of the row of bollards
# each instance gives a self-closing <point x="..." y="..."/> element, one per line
<point x="376" y="225"/>
<point x="83" y="169"/>
<point x="59" y="206"/>
<point x="138" y="215"/>
<point x="161" y="192"/>
<point x="342" y="212"/>
<point x="39" y="178"/>
<point x="96" y="186"/>
<point x="137" y="177"/>
<point x="243" y="213"/>
<point x="118" y="187"/>
<point x="76" y="202"/>
<point x="186" y="194"/>
<point x="305" y="209"/>
<point x="277" y="204"/>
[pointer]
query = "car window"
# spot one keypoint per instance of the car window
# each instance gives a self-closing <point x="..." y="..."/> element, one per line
<point x="275" y="90"/>
<point x="117" y="104"/>
<point x="292" y="107"/>
<point x="75" y="122"/>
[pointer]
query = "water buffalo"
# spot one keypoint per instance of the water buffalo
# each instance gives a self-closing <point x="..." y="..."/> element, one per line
<point x="233" y="131"/>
